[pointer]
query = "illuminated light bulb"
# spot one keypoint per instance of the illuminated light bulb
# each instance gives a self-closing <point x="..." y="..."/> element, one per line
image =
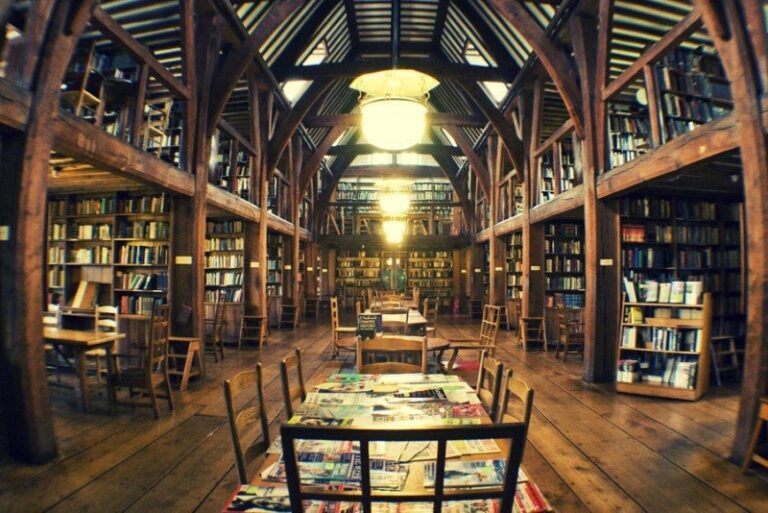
<point x="394" y="231"/>
<point x="393" y="123"/>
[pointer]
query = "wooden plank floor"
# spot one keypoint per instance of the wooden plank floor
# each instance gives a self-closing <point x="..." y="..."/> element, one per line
<point x="589" y="449"/>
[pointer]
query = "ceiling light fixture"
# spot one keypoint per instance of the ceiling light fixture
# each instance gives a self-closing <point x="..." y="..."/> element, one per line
<point x="393" y="107"/>
<point x="394" y="197"/>
<point x="394" y="230"/>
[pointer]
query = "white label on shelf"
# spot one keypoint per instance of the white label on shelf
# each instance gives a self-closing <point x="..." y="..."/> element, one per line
<point x="478" y="270"/>
<point x="535" y="268"/>
<point x="254" y="264"/>
<point x="463" y="271"/>
<point x="5" y="232"/>
<point x="287" y="267"/>
<point x="325" y="270"/>
<point x="183" y="259"/>
<point x="498" y="268"/>
<point x="606" y="262"/>
<point x="310" y="269"/>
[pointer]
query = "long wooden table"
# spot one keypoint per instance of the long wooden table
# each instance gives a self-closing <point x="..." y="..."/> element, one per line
<point x="393" y="321"/>
<point x="81" y="342"/>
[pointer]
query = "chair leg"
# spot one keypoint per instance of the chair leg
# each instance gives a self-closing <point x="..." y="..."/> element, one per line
<point x="752" y="445"/>
<point x="565" y="351"/>
<point x="168" y="390"/>
<point x="153" y="399"/>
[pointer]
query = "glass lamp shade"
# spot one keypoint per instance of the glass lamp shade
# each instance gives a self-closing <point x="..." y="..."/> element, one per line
<point x="393" y="123"/>
<point x="394" y="231"/>
<point x="394" y="203"/>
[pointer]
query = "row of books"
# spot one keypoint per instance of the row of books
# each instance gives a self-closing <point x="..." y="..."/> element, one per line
<point x="92" y="255"/>
<point x="428" y="274"/>
<point x="661" y="339"/>
<point x="88" y="232"/>
<point x="564" y="247"/>
<point x="218" y="227"/>
<point x="646" y="206"/>
<point x="273" y="277"/>
<point x="91" y="206"/>
<point x="699" y="109"/>
<point x="565" y="282"/>
<point x="155" y="230"/>
<point x="676" y="372"/>
<point x="140" y="305"/>
<point x="564" y="229"/>
<point x="226" y="278"/>
<point x="651" y="257"/>
<point x="141" y="281"/>
<point x="692" y="82"/>
<point x="226" y="260"/>
<point x="225" y="244"/>
<point x="228" y="295"/>
<point x="514" y="280"/>
<point x="563" y="264"/>
<point x="56" y="255"/>
<point x="143" y="254"/>
<point x="57" y="231"/>
<point x="153" y="204"/>
<point x="660" y="233"/>
<point x="57" y="207"/>
<point x="430" y="264"/>
<point x="628" y="124"/>
<point x="652" y="291"/>
<point x="430" y="254"/>
<point x="56" y="277"/>
<point x="621" y="157"/>
<point x="566" y="300"/>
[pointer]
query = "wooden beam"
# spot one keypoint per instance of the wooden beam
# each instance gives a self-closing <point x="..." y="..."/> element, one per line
<point x="316" y="159"/>
<point x="428" y="149"/>
<point x="240" y="57"/>
<point x="235" y="134"/>
<point x="564" y="202"/>
<point x="354" y="68"/>
<point x="354" y="34"/>
<point x="500" y="53"/>
<point x="556" y="136"/>
<point x="395" y="33"/>
<point x="433" y="118"/>
<point x="14" y="105"/>
<point x="554" y="60"/>
<point x="290" y="124"/>
<point x="395" y="172"/>
<point x="122" y="38"/>
<point x="478" y="166"/>
<point x="682" y="29"/>
<point x="704" y="142"/>
<point x="301" y="36"/>
<point x="440" y="17"/>
<point x="451" y="170"/>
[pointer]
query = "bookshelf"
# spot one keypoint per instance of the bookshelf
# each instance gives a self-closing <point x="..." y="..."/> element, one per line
<point x="628" y="132"/>
<point x="224" y="260"/>
<point x="274" y="264"/>
<point x="432" y="272"/>
<point x="510" y="198"/>
<point x="693" y="90"/>
<point x="357" y="271"/>
<point x="232" y="169"/>
<point x="515" y="265"/>
<point x="564" y="263"/>
<point x="119" y="241"/>
<point x="664" y="346"/>
<point x="546" y="177"/>
<point x="665" y="238"/>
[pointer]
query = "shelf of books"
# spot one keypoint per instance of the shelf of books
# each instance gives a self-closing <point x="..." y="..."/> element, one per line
<point x="564" y="263"/>
<point x="224" y="271"/>
<point x="118" y="242"/>
<point x="432" y="272"/>
<point x="666" y="239"/>
<point x="357" y="271"/>
<point x="515" y="265"/>
<point x="546" y="185"/>
<point x="693" y="90"/>
<point x="274" y="264"/>
<point x="665" y="335"/>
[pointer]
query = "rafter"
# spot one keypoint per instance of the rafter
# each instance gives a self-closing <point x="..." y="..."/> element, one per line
<point x="238" y="59"/>
<point x="428" y="149"/>
<point x="451" y="170"/>
<point x="442" y="14"/>
<point x="354" y="35"/>
<point x="433" y="118"/>
<point x="479" y="167"/>
<point x="554" y="59"/>
<point x="301" y="38"/>
<point x="312" y="164"/>
<point x="492" y="43"/>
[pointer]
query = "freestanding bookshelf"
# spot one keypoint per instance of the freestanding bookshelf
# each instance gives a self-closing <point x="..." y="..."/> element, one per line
<point x="564" y="264"/>
<point x="664" y="348"/>
<point x="224" y="271"/>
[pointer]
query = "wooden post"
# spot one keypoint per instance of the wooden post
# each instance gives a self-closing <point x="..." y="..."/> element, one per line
<point x="296" y="163"/>
<point x="496" y="246"/>
<point x="252" y="279"/>
<point x="23" y="188"/>
<point x="182" y="271"/>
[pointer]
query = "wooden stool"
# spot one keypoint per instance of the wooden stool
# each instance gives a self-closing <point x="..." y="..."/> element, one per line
<point x="722" y="349"/>
<point x="192" y="353"/>
<point x="762" y="418"/>
<point x="253" y="328"/>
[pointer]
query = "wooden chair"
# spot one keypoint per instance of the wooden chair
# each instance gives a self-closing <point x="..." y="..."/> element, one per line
<point x="722" y="350"/>
<point x="151" y="367"/>
<point x="430" y="314"/>
<point x="292" y="364"/>
<point x="241" y="420"/>
<point x="289" y="316"/>
<point x="762" y="419"/>
<point x="570" y="336"/>
<point x="489" y="383"/>
<point x="213" y="340"/>
<point x="253" y="328"/>
<point x="348" y="343"/>
<point x="511" y="438"/>
<point x="400" y="355"/>
<point x="533" y="331"/>
<point x="520" y="410"/>
<point x="489" y="330"/>
<point x="106" y="320"/>
<point x="311" y="307"/>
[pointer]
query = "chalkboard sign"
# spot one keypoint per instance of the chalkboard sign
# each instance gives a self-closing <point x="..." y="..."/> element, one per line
<point x="368" y="325"/>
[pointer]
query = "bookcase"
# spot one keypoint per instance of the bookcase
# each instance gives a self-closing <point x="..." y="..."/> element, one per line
<point x="546" y="183"/>
<point x="232" y="170"/>
<point x="665" y="238"/>
<point x="224" y="260"/>
<point x="664" y="346"/>
<point x="628" y="132"/>
<point x="117" y="241"/>
<point x="274" y="264"/>
<point x="693" y="90"/>
<point x="564" y="263"/>
<point x="510" y="198"/>
<point x="357" y="271"/>
<point x="515" y="265"/>
<point x="432" y="272"/>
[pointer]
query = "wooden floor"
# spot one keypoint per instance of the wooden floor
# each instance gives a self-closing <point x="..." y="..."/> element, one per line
<point x="589" y="448"/>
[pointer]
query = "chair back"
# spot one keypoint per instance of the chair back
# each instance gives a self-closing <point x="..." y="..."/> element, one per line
<point x="489" y="327"/>
<point x="240" y="421"/>
<point x="489" y="382"/>
<point x="358" y="307"/>
<point x="107" y="319"/>
<point x="515" y="391"/>
<point x="218" y="317"/>
<point x="563" y="331"/>
<point x="392" y="355"/>
<point x="291" y="364"/>
<point x="334" y="313"/>
<point x="511" y="438"/>
<point x="157" y="347"/>
<point x="430" y="310"/>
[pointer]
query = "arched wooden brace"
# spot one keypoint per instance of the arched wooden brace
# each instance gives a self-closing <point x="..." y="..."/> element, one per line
<point x="554" y="60"/>
<point x="312" y="166"/>
<point x="239" y="58"/>
<point x="725" y="23"/>
<point x="24" y="184"/>
<point x="479" y="167"/>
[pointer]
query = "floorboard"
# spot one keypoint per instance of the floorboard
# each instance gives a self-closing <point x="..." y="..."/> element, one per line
<point x="589" y="449"/>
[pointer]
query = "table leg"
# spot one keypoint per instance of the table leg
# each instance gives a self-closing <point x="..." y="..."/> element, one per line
<point x="83" y="374"/>
<point x="451" y="361"/>
<point x="111" y="378"/>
